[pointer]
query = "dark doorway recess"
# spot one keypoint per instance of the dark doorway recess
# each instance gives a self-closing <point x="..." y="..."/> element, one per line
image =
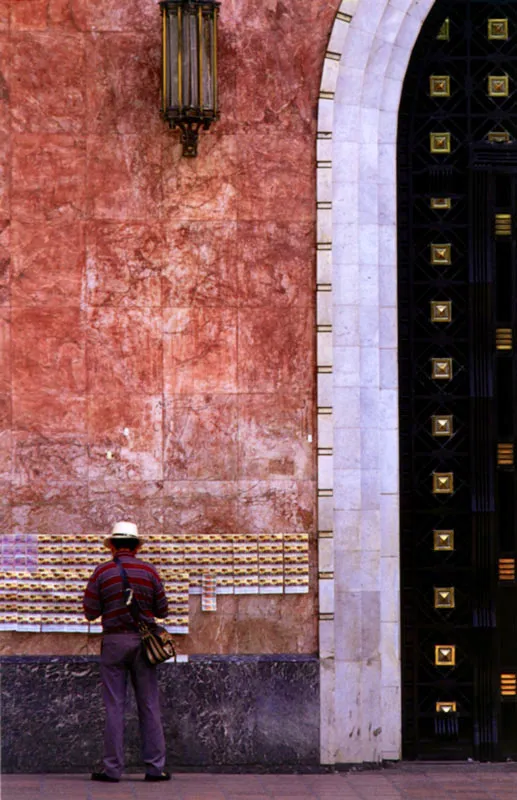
<point x="457" y="249"/>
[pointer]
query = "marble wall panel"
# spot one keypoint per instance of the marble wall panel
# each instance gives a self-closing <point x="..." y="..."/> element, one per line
<point x="134" y="188"/>
<point x="278" y="100"/>
<point x="272" y="263"/>
<point x="63" y="14"/>
<point x="5" y="73"/>
<point x="48" y="350"/>
<point x="273" y="349"/>
<point x="48" y="174"/>
<point x="111" y="15"/>
<point x="201" y="437"/>
<point x="124" y="352"/>
<point x="217" y="711"/>
<point x="5" y="176"/>
<point x="48" y="263"/>
<point x="44" y="468"/>
<point x="161" y="362"/>
<point x="5" y="411"/>
<point x="6" y="456"/>
<point x="201" y="507"/>
<point x="124" y="264"/>
<point x="142" y="502"/>
<point x="49" y="413"/>
<point x="68" y="513"/>
<point x="273" y="437"/>
<point x="39" y="63"/>
<point x="5" y="263"/>
<point x="201" y="264"/>
<point x="123" y="84"/>
<point x="277" y="506"/>
<point x="200" y="350"/>
<point x="203" y="188"/>
<point x="5" y="351"/>
<point x="125" y="438"/>
<point x="275" y="183"/>
<point x="254" y="624"/>
<point x="29" y="15"/>
<point x="5" y="505"/>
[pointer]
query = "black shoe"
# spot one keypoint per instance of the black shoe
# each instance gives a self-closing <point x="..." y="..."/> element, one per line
<point x="163" y="776"/>
<point x="101" y="776"/>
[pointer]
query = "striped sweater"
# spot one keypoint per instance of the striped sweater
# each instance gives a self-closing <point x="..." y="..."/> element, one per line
<point x="104" y="594"/>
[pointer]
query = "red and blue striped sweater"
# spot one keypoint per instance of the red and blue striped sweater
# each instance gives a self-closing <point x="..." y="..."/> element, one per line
<point x="104" y="594"/>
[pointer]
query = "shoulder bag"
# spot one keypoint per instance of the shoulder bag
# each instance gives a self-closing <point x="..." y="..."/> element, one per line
<point x="157" y="643"/>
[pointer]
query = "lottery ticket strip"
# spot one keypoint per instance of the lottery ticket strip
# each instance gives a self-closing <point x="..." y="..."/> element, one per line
<point x="43" y="577"/>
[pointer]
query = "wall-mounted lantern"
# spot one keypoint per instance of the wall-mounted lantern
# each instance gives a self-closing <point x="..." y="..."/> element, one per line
<point x="189" y="67"/>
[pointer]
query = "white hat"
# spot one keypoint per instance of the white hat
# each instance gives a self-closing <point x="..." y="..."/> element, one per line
<point x="123" y="530"/>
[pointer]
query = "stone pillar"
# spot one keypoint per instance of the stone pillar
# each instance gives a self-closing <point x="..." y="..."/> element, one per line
<point x="364" y="68"/>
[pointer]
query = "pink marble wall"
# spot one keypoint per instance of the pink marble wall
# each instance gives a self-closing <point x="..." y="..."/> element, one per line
<point x="170" y="296"/>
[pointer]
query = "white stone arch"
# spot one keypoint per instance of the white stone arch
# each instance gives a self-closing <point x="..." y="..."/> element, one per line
<point x="358" y="471"/>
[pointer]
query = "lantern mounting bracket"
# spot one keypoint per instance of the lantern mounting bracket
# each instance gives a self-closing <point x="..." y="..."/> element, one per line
<point x="189" y="135"/>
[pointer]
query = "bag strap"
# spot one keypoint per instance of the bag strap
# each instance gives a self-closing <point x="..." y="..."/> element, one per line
<point x="128" y="593"/>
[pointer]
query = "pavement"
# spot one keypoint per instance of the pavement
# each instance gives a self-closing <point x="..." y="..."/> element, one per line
<point x="406" y="781"/>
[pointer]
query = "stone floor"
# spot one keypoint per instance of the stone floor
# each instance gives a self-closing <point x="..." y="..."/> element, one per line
<point x="401" y="782"/>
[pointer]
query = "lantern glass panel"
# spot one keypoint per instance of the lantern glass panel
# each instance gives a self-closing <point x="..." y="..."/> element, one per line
<point x="172" y="99"/>
<point x="208" y="77"/>
<point x="190" y="61"/>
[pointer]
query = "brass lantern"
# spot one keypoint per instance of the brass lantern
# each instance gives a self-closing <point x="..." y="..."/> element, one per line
<point x="189" y="67"/>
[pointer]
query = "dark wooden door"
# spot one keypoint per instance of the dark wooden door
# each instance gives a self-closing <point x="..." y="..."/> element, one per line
<point x="457" y="209"/>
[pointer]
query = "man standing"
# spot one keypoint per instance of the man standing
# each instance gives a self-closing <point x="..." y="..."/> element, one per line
<point x="121" y="652"/>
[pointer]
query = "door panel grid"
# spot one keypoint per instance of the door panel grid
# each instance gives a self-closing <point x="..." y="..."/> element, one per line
<point x="457" y="211"/>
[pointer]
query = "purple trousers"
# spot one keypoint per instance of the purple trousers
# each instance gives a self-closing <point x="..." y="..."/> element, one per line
<point x="121" y="657"/>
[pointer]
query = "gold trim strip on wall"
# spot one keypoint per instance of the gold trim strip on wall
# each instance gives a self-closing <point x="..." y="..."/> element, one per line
<point x="503" y="225"/>
<point x="508" y="684"/>
<point x="504" y="339"/>
<point x="505" y="454"/>
<point x="506" y="569"/>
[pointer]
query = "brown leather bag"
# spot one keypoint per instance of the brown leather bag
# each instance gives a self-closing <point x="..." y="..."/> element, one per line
<point x="157" y="643"/>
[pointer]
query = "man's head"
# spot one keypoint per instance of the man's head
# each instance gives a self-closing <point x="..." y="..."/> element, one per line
<point x="124" y="535"/>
